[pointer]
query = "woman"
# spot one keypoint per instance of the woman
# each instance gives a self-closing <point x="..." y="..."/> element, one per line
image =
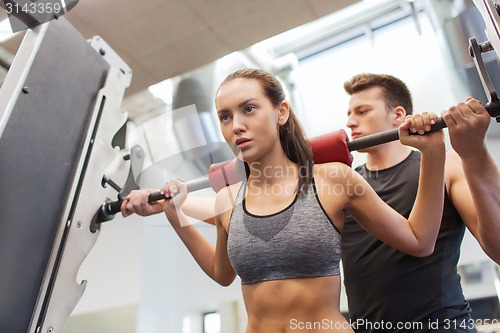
<point x="279" y="229"/>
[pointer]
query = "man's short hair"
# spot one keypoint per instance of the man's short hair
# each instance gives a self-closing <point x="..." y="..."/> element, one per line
<point x="395" y="91"/>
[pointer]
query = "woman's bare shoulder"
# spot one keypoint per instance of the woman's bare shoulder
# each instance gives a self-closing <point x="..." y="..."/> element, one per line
<point x="224" y="202"/>
<point x="333" y="171"/>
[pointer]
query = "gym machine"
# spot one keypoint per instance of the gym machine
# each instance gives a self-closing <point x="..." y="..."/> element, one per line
<point x="490" y="11"/>
<point x="59" y="118"/>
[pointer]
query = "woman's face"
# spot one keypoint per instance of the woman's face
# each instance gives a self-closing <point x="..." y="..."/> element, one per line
<point x="248" y="120"/>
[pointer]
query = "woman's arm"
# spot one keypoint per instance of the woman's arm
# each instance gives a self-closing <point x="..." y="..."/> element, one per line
<point x="417" y="234"/>
<point x="214" y="261"/>
<point x="200" y="208"/>
<point x="196" y="207"/>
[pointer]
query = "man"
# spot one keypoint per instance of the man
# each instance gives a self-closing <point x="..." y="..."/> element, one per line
<point x="388" y="290"/>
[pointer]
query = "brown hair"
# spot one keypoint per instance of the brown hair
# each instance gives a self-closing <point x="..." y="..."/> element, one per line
<point x="293" y="140"/>
<point x="396" y="93"/>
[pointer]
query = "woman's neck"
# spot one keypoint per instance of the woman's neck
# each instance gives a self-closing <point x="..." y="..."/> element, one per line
<point x="277" y="169"/>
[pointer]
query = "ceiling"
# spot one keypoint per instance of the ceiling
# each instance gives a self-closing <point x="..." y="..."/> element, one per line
<point x="160" y="39"/>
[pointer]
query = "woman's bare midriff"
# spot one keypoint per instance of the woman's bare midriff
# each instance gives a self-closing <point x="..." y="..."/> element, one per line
<point x="306" y="305"/>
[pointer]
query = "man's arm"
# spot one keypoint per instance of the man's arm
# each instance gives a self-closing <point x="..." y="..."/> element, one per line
<point x="473" y="176"/>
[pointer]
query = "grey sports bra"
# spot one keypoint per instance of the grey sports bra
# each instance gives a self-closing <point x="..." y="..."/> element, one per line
<point x="299" y="241"/>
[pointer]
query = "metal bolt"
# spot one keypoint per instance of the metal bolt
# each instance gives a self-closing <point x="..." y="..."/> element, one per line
<point x="26" y="89"/>
<point x="50" y="330"/>
<point x="79" y="224"/>
<point x="485" y="47"/>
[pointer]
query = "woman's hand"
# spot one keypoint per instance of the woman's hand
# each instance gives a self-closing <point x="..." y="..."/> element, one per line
<point x="137" y="202"/>
<point x="420" y="124"/>
<point x="176" y="193"/>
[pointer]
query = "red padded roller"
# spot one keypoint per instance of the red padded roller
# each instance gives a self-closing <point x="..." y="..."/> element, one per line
<point x="224" y="174"/>
<point x="331" y="147"/>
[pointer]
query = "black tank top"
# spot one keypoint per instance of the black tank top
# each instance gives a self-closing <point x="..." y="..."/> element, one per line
<point x="384" y="284"/>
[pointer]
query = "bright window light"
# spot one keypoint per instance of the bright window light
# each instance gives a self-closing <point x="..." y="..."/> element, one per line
<point x="163" y="90"/>
<point x="186" y="325"/>
<point x="5" y="30"/>
<point x="211" y="322"/>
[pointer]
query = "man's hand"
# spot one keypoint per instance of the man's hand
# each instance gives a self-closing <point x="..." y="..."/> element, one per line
<point x="467" y="125"/>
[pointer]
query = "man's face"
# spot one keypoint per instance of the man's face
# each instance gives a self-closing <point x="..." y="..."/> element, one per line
<point x="368" y="113"/>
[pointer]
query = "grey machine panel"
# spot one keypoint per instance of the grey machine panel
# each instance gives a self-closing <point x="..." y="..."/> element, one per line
<point x="51" y="105"/>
